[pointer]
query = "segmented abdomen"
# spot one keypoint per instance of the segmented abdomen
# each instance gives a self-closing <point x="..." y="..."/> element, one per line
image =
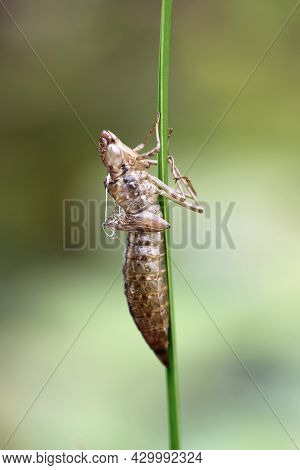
<point x="146" y="288"/>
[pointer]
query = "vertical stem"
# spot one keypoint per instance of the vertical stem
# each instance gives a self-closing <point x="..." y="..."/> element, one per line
<point x="163" y="100"/>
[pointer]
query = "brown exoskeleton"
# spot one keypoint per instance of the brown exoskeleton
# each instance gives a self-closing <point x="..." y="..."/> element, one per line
<point x="136" y="193"/>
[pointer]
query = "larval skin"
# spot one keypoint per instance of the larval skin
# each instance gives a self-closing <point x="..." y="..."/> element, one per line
<point x="137" y="212"/>
<point x="146" y="290"/>
<point x="144" y="269"/>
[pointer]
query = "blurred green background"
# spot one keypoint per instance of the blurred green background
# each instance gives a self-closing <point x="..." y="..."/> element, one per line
<point x="109" y="392"/>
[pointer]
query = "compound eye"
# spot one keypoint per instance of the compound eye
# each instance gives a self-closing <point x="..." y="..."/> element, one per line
<point x="114" y="156"/>
<point x="114" y="149"/>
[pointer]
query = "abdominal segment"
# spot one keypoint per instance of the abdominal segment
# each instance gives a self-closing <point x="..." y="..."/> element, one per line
<point x="146" y="289"/>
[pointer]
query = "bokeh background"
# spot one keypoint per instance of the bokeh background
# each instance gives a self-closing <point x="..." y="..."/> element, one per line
<point x="109" y="391"/>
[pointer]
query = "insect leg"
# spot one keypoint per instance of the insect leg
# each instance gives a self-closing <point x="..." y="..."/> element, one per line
<point x="170" y="132"/>
<point x="142" y="145"/>
<point x="167" y="189"/>
<point x="155" y="149"/>
<point x="179" y="178"/>
<point x="176" y="174"/>
<point x="175" y="196"/>
<point x="188" y="205"/>
<point x="151" y="162"/>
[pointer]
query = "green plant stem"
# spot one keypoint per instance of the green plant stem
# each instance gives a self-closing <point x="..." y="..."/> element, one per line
<point x="163" y="101"/>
